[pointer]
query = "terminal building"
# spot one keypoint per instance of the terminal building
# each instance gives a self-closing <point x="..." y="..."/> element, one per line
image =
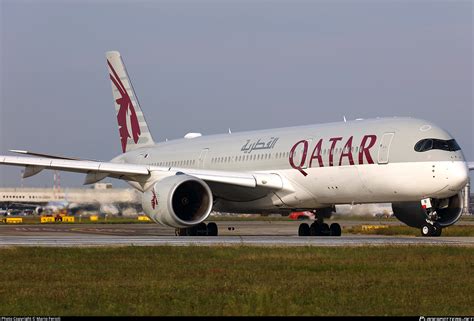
<point x="100" y="193"/>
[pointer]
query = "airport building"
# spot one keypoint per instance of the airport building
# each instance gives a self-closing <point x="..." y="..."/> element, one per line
<point x="99" y="193"/>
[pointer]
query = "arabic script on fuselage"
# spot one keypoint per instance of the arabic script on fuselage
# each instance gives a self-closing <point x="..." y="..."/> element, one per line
<point x="258" y="145"/>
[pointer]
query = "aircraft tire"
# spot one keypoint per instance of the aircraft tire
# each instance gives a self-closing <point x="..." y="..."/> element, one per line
<point x="212" y="229"/>
<point x="315" y="229"/>
<point x="427" y="229"/>
<point x="191" y="231"/>
<point x="325" y="231"/>
<point x="335" y="229"/>
<point x="201" y="229"/>
<point x="437" y="230"/>
<point x="304" y="230"/>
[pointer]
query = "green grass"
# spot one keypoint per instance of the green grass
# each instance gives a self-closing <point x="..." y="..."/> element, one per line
<point x="237" y="281"/>
<point x="454" y="230"/>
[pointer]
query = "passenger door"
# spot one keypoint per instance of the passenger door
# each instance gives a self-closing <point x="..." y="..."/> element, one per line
<point x="202" y="158"/>
<point x="384" y="148"/>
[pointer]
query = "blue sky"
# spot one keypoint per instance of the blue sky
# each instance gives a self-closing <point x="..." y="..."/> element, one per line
<point x="205" y="66"/>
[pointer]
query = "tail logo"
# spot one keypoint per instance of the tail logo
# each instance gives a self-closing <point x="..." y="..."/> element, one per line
<point x="126" y="116"/>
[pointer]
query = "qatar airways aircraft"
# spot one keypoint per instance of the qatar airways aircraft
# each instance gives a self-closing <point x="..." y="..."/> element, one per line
<point x="411" y="163"/>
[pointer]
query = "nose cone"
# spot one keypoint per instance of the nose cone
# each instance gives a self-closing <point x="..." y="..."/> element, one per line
<point x="458" y="175"/>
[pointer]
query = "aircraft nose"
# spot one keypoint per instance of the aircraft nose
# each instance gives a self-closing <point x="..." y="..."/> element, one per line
<point x="458" y="174"/>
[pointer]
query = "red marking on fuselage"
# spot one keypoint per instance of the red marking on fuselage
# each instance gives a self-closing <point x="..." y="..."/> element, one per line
<point x="367" y="143"/>
<point x="126" y="106"/>
<point x="347" y="152"/>
<point x="331" y="151"/>
<point x="303" y="156"/>
<point x="317" y="154"/>
<point x="365" y="150"/>
<point x="154" y="199"/>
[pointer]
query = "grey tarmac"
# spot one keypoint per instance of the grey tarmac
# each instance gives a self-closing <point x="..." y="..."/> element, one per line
<point x="251" y="233"/>
<point x="107" y="240"/>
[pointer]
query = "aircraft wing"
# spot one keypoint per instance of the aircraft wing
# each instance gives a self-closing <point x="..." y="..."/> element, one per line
<point x="470" y="165"/>
<point x="97" y="171"/>
<point x="36" y="164"/>
<point x="25" y="152"/>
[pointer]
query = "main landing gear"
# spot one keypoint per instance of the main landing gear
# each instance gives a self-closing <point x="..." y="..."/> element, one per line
<point x="318" y="228"/>
<point x="201" y="229"/>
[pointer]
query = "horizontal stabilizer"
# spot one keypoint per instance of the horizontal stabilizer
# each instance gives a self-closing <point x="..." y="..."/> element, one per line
<point x="470" y="165"/>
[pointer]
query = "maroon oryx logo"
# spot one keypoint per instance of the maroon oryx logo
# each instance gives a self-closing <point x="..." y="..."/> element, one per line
<point x="126" y="110"/>
<point x="154" y="199"/>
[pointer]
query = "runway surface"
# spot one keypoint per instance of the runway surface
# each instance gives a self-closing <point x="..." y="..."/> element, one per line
<point x="260" y="233"/>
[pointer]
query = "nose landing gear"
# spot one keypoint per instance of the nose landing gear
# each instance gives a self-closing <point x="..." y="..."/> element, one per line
<point x="431" y="227"/>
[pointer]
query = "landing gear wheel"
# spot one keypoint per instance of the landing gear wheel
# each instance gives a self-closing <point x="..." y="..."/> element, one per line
<point x="335" y="229"/>
<point x="212" y="229"/>
<point x="304" y="230"/>
<point x="427" y="229"/>
<point x="316" y="229"/>
<point x="325" y="231"/>
<point x="437" y="229"/>
<point x="201" y="229"/>
<point x="192" y="231"/>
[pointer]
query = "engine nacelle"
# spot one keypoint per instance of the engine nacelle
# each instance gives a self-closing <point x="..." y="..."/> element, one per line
<point x="178" y="201"/>
<point x="448" y="211"/>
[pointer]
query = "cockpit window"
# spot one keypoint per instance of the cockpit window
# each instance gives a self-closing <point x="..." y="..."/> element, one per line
<point x="433" y="143"/>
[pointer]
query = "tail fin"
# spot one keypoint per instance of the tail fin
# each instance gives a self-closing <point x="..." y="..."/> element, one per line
<point x="133" y="128"/>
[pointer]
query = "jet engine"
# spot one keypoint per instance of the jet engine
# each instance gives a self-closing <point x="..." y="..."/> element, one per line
<point x="178" y="201"/>
<point x="445" y="211"/>
<point x="39" y="210"/>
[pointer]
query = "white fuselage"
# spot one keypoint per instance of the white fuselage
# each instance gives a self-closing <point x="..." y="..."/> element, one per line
<point x="364" y="161"/>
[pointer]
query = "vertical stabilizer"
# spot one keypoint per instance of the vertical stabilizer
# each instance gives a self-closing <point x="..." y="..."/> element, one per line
<point x="133" y="129"/>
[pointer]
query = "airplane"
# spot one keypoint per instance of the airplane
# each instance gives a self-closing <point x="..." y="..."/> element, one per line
<point x="19" y="207"/>
<point x="411" y="163"/>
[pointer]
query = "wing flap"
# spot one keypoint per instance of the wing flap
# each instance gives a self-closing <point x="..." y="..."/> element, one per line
<point x="32" y="171"/>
